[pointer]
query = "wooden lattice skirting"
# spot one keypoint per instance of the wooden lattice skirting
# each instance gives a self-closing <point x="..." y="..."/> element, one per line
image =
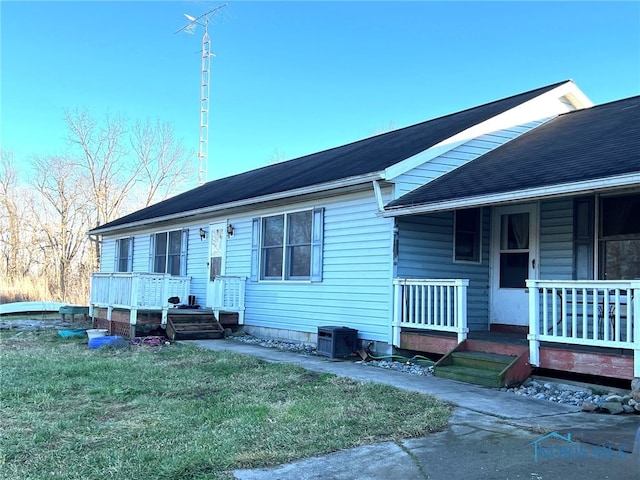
<point x="114" y="327"/>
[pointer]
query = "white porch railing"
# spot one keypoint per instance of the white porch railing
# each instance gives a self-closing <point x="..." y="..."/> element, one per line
<point x="584" y="312"/>
<point x="135" y="291"/>
<point x="228" y="296"/>
<point x="428" y="304"/>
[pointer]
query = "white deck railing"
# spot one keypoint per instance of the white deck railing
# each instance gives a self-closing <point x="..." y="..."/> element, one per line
<point x="427" y="304"/>
<point x="135" y="291"/>
<point x="584" y="312"/>
<point x="228" y="296"/>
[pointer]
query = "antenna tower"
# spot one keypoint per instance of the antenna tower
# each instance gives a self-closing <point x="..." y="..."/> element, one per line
<point x="203" y="149"/>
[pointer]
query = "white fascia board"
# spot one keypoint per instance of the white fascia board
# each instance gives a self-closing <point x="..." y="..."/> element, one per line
<point x="539" y="193"/>
<point x="541" y="108"/>
<point x="201" y="212"/>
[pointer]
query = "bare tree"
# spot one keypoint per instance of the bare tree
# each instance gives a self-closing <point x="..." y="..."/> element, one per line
<point x="391" y="126"/>
<point x="63" y="214"/>
<point x="103" y="156"/>
<point x="120" y="164"/>
<point x="163" y="161"/>
<point x="10" y="216"/>
<point x="22" y="258"/>
<point x="109" y="170"/>
<point x="276" y="156"/>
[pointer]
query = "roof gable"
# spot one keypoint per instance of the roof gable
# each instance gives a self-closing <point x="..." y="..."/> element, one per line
<point x="368" y="156"/>
<point x="583" y="145"/>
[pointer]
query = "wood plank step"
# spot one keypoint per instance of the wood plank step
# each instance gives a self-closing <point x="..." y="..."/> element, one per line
<point x="189" y="327"/>
<point x="199" y="332"/>
<point x="196" y="326"/>
<point x="489" y="378"/>
<point x="191" y="318"/>
<point x="203" y="335"/>
<point x="482" y="360"/>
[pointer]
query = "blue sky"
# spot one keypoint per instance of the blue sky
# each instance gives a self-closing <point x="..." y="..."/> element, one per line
<point x="292" y="78"/>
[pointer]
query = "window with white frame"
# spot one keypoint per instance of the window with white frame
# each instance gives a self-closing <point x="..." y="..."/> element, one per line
<point x="288" y="246"/>
<point x="467" y="235"/>
<point x="124" y="254"/>
<point x="168" y="252"/>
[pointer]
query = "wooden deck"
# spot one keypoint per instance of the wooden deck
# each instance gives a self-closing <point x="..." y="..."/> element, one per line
<point x="149" y="321"/>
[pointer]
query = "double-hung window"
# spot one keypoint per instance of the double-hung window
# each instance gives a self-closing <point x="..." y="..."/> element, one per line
<point x="620" y="237"/>
<point x="288" y="246"/>
<point x="168" y="252"/>
<point x="124" y="254"/>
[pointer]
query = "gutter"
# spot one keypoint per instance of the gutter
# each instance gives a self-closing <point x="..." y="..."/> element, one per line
<point x="323" y="187"/>
<point x="538" y="193"/>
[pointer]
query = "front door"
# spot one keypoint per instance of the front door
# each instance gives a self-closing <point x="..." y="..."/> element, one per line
<point x="514" y="259"/>
<point x="217" y="255"/>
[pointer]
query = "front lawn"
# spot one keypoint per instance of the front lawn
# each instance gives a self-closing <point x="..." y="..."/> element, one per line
<point x="180" y="412"/>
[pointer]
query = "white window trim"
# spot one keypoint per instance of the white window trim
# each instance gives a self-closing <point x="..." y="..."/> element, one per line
<point x="184" y="241"/>
<point x="317" y="248"/>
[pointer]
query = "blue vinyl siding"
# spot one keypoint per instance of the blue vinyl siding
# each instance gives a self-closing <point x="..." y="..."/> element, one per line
<point x="356" y="287"/>
<point x="108" y="255"/>
<point x="457" y="157"/>
<point x="556" y="239"/>
<point x="425" y="250"/>
<point x="197" y="262"/>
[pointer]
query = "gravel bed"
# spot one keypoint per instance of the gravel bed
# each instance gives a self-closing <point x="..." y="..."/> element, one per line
<point x="561" y="393"/>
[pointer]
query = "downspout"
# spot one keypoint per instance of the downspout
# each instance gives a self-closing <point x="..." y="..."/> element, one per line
<point x="378" y="192"/>
<point x="396" y="289"/>
<point x="96" y="239"/>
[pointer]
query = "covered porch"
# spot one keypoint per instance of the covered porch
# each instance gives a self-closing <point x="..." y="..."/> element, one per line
<point x="586" y="327"/>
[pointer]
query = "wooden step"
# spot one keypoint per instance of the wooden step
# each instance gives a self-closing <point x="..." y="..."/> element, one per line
<point x="477" y="376"/>
<point x="482" y="360"/>
<point x="483" y="367"/>
<point x="193" y="327"/>
<point x="210" y="318"/>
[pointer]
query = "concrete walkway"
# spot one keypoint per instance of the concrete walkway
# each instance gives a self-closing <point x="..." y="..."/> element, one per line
<point x="491" y="434"/>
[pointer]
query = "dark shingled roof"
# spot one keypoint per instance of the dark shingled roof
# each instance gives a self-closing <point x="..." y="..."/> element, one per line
<point x="593" y="143"/>
<point x="366" y="156"/>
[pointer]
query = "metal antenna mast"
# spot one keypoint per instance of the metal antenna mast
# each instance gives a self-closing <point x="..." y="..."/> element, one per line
<point x="203" y="149"/>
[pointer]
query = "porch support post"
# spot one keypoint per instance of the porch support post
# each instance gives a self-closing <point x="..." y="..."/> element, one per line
<point x="133" y="313"/>
<point x="91" y="300"/>
<point x="397" y="312"/>
<point x="635" y="296"/>
<point x="534" y="318"/>
<point x="241" y="306"/>
<point x="461" y="309"/>
<point x="165" y="299"/>
<point x="165" y="310"/>
<point x="110" y="295"/>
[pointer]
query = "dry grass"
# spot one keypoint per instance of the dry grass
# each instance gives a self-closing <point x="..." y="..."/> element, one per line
<point x="179" y="412"/>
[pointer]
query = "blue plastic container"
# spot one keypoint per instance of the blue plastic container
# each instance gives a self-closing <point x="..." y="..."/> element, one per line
<point x="72" y="332"/>
<point x="102" y="341"/>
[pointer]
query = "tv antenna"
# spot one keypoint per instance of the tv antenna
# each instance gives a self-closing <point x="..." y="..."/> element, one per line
<point x="190" y="28"/>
